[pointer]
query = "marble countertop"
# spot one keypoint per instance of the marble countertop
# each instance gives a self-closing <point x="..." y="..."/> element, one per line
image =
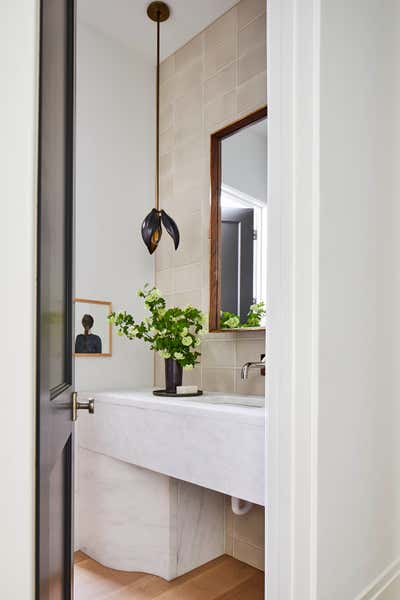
<point x="210" y="443"/>
<point x="210" y="403"/>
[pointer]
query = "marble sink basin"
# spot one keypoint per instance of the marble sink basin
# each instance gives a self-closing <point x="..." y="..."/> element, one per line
<point x="231" y="399"/>
<point x="215" y="440"/>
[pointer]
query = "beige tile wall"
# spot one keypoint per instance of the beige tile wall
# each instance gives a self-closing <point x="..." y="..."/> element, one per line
<point x="244" y="537"/>
<point x="216" y="78"/>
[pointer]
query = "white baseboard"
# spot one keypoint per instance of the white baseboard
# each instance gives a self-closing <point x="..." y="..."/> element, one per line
<point x="382" y="583"/>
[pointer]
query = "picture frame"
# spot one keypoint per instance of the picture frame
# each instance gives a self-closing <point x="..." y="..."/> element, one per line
<point x="92" y="330"/>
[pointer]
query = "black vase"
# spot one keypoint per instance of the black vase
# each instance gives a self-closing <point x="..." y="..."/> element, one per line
<point x="173" y="375"/>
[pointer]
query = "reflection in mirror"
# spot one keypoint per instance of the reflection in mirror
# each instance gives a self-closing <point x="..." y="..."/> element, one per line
<point x="239" y="224"/>
<point x="92" y="329"/>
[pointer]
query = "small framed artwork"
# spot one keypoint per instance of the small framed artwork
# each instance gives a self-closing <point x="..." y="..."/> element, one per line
<point x="92" y="329"/>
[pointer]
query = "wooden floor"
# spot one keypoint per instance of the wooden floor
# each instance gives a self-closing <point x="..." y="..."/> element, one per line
<point x="222" y="579"/>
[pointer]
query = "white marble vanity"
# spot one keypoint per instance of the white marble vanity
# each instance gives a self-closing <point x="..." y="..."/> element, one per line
<point x="153" y="472"/>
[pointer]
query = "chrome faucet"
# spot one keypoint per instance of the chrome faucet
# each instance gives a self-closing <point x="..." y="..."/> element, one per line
<point x="253" y="365"/>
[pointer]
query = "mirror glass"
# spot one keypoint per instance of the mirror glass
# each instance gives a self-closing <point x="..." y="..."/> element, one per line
<point x="92" y="329"/>
<point x="242" y="227"/>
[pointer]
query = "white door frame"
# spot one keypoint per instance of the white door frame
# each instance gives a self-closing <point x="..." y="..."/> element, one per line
<point x="292" y="340"/>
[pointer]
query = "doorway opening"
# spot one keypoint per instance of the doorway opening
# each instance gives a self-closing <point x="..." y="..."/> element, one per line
<point x="177" y="534"/>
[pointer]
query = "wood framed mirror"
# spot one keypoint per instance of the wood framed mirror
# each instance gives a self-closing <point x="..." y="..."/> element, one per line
<point x="239" y="224"/>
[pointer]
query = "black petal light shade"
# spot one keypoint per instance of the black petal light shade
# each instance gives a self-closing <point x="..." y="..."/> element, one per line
<point x="171" y="227"/>
<point x="151" y="230"/>
<point x="152" y="224"/>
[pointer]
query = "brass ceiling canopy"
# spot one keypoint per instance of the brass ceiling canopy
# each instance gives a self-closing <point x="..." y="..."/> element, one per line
<point x="153" y="222"/>
<point x="158" y="11"/>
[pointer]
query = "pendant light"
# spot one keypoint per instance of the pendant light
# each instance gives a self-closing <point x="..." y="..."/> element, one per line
<point x="152" y="224"/>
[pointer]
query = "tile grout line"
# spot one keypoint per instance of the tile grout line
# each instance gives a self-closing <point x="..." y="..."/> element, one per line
<point x="262" y="13"/>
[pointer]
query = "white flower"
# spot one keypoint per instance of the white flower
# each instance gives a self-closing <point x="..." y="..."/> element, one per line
<point x="186" y="341"/>
<point x="184" y="332"/>
<point x="178" y="355"/>
<point x="197" y="342"/>
<point x="155" y="294"/>
<point x="132" y="331"/>
<point x="164" y="354"/>
<point x="188" y="367"/>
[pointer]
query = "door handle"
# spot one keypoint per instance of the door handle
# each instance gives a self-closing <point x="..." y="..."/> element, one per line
<point x="89" y="406"/>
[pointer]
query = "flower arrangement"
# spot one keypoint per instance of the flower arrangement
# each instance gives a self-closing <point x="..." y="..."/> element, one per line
<point x="231" y="321"/>
<point x="172" y="332"/>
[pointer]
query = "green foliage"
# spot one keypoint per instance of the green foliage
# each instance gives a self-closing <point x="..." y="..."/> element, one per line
<point x="255" y="314"/>
<point x="173" y="332"/>
<point x="231" y="321"/>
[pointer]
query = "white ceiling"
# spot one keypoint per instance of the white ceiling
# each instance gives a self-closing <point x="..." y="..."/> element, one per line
<point x="127" y="21"/>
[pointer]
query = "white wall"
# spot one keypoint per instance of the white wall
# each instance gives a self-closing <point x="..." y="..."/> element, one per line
<point x="114" y="191"/>
<point x="359" y="296"/>
<point x="18" y="66"/>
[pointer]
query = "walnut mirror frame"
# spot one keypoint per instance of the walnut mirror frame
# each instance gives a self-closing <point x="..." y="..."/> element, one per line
<point x="217" y="139"/>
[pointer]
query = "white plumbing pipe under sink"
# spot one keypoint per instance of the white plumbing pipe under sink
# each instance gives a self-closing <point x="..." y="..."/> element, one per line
<point x="240" y="507"/>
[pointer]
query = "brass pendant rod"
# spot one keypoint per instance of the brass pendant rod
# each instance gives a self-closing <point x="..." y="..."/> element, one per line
<point x="158" y="116"/>
<point x="157" y="219"/>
